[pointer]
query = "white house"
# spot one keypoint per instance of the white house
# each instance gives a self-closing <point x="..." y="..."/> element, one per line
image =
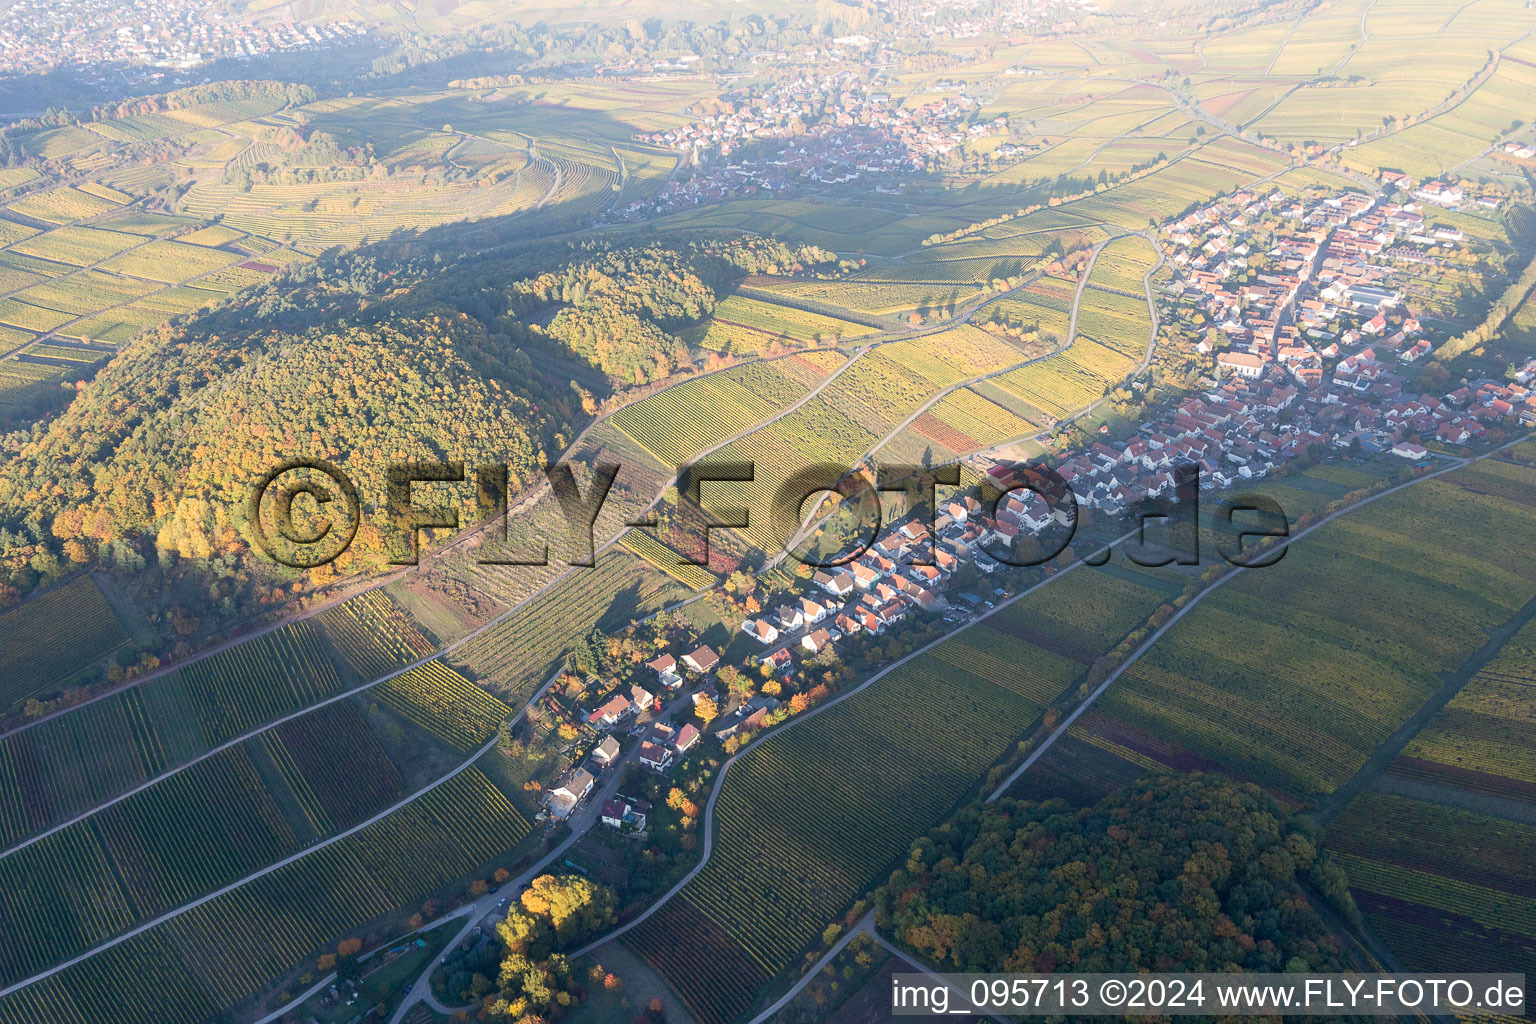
<point x="606" y="752"/>
<point x="760" y="630"/>
<point x="665" y="668"/>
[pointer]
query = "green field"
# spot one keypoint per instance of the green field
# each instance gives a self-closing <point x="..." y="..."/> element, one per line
<point x="50" y="638"/>
<point x="1274" y="681"/>
<point x="204" y="961"/>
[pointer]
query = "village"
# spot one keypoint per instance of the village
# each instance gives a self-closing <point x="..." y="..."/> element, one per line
<point x="816" y="130"/>
<point x="1312" y="348"/>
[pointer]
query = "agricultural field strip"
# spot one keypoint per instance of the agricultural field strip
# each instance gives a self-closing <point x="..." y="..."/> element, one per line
<point x="1077" y="301"/>
<point x="237" y="740"/>
<point x="709" y="806"/>
<point x="958" y="385"/>
<point x="1236" y="572"/>
<point x="553" y="189"/>
<point x="810" y="519"/>
<point x="1388" y="752"/>
<point x="1420" y="118"/>
<point x="321" y="845"/>
<point x="72" y="271"/>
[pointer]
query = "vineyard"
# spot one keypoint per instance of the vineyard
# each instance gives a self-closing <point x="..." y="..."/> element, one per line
<point x="1123" y="263"/>
<point x="62" y="205"/>
<point x="516" y="655"/>
<point x="694" y="577"/>
<point x="1483" y="740"/>
<point x="1045" y="305"/>
<point x="199" y="829"/>
<point x="964" y="422"/>
<point x="373" y="635"/>
<point x="742" y="324"/>
<point x="170" y="262"/>
<point x="878" y="298"/>
<point x="1447" y="889"/>
<point x="204" y="961"/>
<point x="80" y="246"/>
<point x="785" y="859"/>
<point x="676" y="424"/>
<point x="196" y="830"/>
<point x="444" y="703"/>
<point x="235" y="691"/>
<point x="335" y="767"/>
<point x="54" y="770"/>
<point x="52" y="637"/>
<point x="1276" y="681"/>
<point x="1058" y="386"/>
<point x="816" y="433"/>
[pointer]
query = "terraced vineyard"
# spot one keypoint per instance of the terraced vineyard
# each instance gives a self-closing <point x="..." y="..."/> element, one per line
<point x="785" y="858"/>
<point x="694" y="577"/>
<point x="373" y="635"/>
<point x="1481" y="742"/>
<point x="743" y="324"/>
<point x="52" y="637"/>
<point x="676" y="424"/>
<point x="1446" y="889"/>
<point x="336" y="769"/>
<point x="204" y="961"/>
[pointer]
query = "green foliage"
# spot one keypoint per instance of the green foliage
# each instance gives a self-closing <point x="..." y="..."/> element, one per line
<point x="1190" y="873"/>
<point x="555" y="912"/>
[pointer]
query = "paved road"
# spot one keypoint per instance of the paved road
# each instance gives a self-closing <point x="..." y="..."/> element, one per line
<point x="486" y="911"/>
<point x="865" y="926"/>
<point x="798" y="720"/>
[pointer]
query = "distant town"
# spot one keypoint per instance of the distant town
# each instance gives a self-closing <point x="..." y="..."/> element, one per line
<point x="97" y="36"/>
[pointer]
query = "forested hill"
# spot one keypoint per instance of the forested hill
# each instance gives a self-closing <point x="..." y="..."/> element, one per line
<point x="389" y="353"/>
<point x="1174" y="873"/>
